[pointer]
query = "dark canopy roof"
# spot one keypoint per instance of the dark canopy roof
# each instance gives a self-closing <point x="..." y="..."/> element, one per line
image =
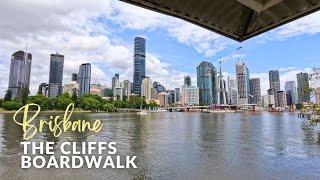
<point x="237" y="19"/>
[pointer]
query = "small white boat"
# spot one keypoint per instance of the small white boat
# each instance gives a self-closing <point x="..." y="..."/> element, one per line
<point x="142" y="113"/>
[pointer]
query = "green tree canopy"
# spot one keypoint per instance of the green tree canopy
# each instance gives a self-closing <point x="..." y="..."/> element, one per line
<point x="8" y="95"/>
<point x="63" y="101"/>
<point x="41" y="100"/>
<point x="11" y="105"/>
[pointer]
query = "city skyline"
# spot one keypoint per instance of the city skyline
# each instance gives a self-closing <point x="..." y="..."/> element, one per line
<point x="166" y="65"/>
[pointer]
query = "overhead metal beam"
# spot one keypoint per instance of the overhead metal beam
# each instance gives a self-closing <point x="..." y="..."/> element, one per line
<point x="257" y="6"/>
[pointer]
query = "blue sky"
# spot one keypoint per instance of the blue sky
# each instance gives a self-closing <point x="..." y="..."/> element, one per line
<point x="102" y="32"/>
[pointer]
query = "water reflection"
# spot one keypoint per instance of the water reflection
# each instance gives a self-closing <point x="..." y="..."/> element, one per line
<point x="185" y="146"/>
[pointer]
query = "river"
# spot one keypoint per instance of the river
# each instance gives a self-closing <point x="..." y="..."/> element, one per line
<point x="184" y="146"/>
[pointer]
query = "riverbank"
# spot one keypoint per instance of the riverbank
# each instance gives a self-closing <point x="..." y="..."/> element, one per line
<point x="76" y="111"/>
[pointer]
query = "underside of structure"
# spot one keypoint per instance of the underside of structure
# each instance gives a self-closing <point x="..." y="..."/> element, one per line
<point x="236" y="19"/>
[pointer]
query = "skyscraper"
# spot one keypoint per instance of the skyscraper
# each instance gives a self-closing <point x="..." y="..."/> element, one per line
<point x="84" y="78"/>
<point x="146" y="86"/>
<point x="242" y="83"/>
<point x="43" y="89"/>
<point x="291" y="90"/>
<point x="274" y="80"/>
<point x="126" y="87"/>
<point x="139" y="63"/>
<point x="274" y="83"/>
<point x="187" y="80"/>
<point x="177" y="95"/>
<point x="221" y="89"/>
<point x="255" y="91"/>
<point x="303" y="87"/>
<point x="74" y="77"/>
<point x="189" y="95"/>
<point x="115" y="81"/>
<point x="318" y="95"/>
<point x="56" y="71"/>
<point x="233" y="92"/>
<point x="20" y="69"/>
<point x="206" y="82"/>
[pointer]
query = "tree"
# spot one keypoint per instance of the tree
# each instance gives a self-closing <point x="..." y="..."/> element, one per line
<point x="74" y="96"/>
<point x="41" y="100"/>
<point x="24" y="95"/>
<point x="90" y="102"/>
<point x="63" y="101"/>
<point x="108" y="107"/>
<point x="11" y="105"/>
<point x="120" y="104"/>
<point x="8" y="95"/>
<point x="152" y="104"/>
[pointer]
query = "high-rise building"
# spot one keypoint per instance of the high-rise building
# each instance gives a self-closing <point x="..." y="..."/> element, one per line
<point x="146" y="87"/>
<point x="115" y="81"/>
<point x="303" y="87"/>
<point x="177" y="95"/>
<point x="268" y="100"/>
<point x="281" y="99"/>
<point x="126" y="87"/>
<point x="118" y="93"/>
<point x="187" y="80"/>
<point x="291" y="90"/>
<point x="70" y="88"/>
<point x="221" y="90"/>
<point x="154" y="93"/>
<point x="84" y="78"/>
<point x="43" y="89"/>
<point x="233" y="91"/>
<point x="255" y="91"/>
<point x="274" y="83"/>
<point x="274" y="80"/>
<point x="74" y="77"/>
<point x="171" y="96"/>
<point x="242" y="83"/>
<point x="163" y="99"/>
<point x="20" y="69"/>
<point x="139" y="63"/>
<point x="160" y="88"/>
<point x="56" y="70"/>
<point x="53" y="90"/>
<point x="206" y="82"/>
<point x="189" y="95"/>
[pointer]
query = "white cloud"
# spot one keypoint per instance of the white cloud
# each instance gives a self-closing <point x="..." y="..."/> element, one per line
<point x="133" y="17"/>
<point x="307" y="25"/>
<point x="71" y="28"/>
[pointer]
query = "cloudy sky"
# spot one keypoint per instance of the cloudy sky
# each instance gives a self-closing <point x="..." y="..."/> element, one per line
<point x="102" y="32"/>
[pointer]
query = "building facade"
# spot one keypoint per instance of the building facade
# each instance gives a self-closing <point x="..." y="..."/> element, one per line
<point x="53" y="90"/>
<point x="255" y="91"/>
<point x="139" y="64"/>
<point x="206" y="82"/>
<point x="233" y="91"/>
<point x="281" y="99"/>
<point x="70" y="88"/>
<point x="20" y="69"/>
<point x="189" y="95"/>
<point x="163" y="99"/>
<point x="291" y="90"/>
<point x="56" y="70"/>
<point x="268" y="100"/>
<point x="187" y="80"/>
<point x="146" y="87"/>
<point x="242" y="83"/>
<point x="84" y="78"/>
<point x="43" y="89"/>
<point x="303" y="87"/>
